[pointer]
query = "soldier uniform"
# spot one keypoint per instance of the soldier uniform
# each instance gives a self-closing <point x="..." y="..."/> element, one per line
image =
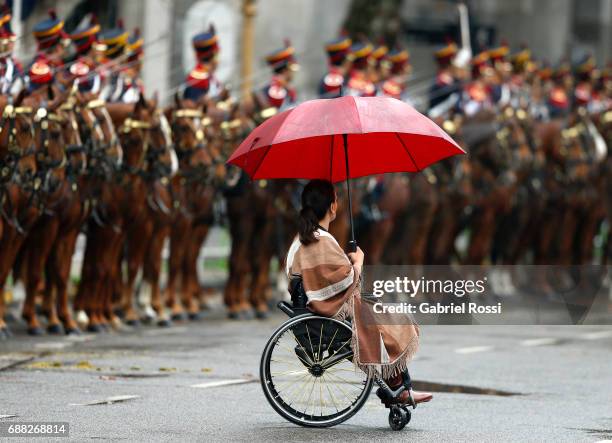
<point x="49" y="34"/>
<point x="206" y="46"/>
<point x="333" y="82"/>
<point x="11" y="70"/>
<point x="445" y="83"/>
<point x="279" y="93"/>
<point x="82" y="70"/>
<point x="583" y="89"/>
<point x="201" y="79"/>
<point x="359" y="83"/>
<point x="558" y="100"/>
<point x="500" y="92"/>
<point x="476" y="94"/>
<point x="399" y="68"/>
<point x="116" y="84"/>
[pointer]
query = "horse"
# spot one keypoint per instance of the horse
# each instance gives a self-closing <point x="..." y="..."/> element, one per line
<point x="101" y="260"/>
<point x="192" y="195"/>
<point x="72" y="210"/>
<point x="19" y="184"/>
<point x="51" y="165"/>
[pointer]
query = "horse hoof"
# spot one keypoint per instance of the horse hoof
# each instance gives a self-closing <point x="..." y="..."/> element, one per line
<point x="96" y="329"/>
<point x="37" y="330"/>
<point x="195" y="316"/>
<point x="165" y="323"/>
<point x="55" y="329"/>
<point x="261" y="315"/>
<point x="178" y="317"/>
<point x="3" y="334"/>
<point x="119" y="313"/>
<point x="73" y="331"/>
<point x="133" y="322"/>
<point x="233" y="315"/>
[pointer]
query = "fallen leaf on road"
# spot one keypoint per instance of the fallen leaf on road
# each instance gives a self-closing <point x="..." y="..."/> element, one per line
<point x="167" y="369"/>
<point x="45" y="364"/>
<point x="206" y="369"/>
<point x="135" y="368"/>
<point x="107" y="377"/>
<point x="84" y="365"/>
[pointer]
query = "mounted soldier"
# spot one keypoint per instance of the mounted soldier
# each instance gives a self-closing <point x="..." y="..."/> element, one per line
<point x="83" y="68"/>
<point x="50" y="37"/>
<point x="558" y="97"/>
<point x="359" y="83"/>
<point x="399" y="68"/>
<point x="444" y="93"/>
<point x="583" y="90"/>
<point x="501" y="90"/>
<point x="333" y="83"/>
<point x="118" y="87"/>
<point x="10" y="68"/>
<point x="279" y="93"/>
<point x="477" y="93"/>
<point x="206" y="47"/>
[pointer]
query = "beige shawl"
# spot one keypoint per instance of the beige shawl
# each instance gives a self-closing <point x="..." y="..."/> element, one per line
<point x="333" y="286"/>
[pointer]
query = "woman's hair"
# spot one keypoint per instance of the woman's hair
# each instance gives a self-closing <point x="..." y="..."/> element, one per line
<point x="317" y="197"/>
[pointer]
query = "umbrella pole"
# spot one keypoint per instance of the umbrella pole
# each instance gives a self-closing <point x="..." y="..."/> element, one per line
<point x="352" y="242"/>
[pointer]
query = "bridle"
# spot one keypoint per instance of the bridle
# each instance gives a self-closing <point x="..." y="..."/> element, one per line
<point x="15" y="151"/>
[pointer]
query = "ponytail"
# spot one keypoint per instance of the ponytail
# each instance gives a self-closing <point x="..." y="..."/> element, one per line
<point x="317" y="198"/>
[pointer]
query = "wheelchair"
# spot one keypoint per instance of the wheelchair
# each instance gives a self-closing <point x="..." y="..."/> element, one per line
<point x="307" y="373"/>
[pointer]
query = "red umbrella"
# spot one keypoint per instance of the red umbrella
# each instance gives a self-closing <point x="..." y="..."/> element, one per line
<point x="341" y="138"/>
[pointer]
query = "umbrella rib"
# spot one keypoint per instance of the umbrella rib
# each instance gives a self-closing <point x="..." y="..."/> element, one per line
<point x="331" y="159"/>
<point x="408" y="152"/>
<point x="263" y="157"/>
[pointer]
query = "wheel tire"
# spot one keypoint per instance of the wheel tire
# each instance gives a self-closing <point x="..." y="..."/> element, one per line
<point x="264" y="377"/>
<point x="398" y="417"/>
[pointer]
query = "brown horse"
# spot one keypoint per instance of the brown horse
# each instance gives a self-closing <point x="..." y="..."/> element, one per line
<point x="192" y="195"/>
<point x="51" y="162"/>
<point x="101" y="261"/>
<point x="19" y="184"/>
<point x="72" y="211"/>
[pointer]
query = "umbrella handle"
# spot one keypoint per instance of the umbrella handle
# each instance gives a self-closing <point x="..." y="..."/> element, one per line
<point x="352" y="246"/>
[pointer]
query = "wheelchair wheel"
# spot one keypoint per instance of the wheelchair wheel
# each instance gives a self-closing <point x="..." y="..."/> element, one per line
<point x="307" y="372"/>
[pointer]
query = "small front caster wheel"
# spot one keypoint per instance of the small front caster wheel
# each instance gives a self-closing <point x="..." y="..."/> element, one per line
<point x="399" y="416"/>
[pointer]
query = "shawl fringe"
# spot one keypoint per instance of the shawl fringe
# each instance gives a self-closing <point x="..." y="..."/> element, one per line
<point x="385" y="370"/>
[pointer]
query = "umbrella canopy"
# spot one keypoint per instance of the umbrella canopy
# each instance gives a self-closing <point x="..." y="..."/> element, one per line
<point x="382" y="134"/>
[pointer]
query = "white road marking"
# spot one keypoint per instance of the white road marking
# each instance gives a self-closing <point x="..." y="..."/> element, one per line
<point x="79" y="338"/>
<point x="215" y="384"/>
<point x="166" y="331"/>
<point x="53" y="345"/>
<point x="474" y="349"/>
<point x="596" y="335"/>
<point x="539" y="341"/>
<point x="107" y="401"/>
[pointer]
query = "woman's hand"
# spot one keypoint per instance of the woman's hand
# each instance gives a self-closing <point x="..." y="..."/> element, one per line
<point x="356" y="257"/>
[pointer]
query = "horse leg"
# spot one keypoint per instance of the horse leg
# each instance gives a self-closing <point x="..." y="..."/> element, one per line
<point x="137" y="239"/>
<point x="8" y="246"/>
<point x="179" y="236"/>
<point x="36" y="249"/>
<point x="58" y="275"/>
<point x="152" y="271"/>
<point x="191" y="285"/>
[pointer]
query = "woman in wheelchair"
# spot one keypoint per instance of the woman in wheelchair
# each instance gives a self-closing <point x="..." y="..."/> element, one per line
<point x="331" y="281"/>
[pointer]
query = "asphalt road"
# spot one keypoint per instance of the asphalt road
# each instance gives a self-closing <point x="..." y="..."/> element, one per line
<point x="562" y="377"/>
